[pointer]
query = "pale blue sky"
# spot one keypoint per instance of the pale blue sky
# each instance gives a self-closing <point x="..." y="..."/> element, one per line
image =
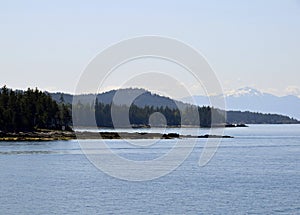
<point x="47" y="44"/>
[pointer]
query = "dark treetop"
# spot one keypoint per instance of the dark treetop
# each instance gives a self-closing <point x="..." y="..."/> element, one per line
<point x="31" y="110"/>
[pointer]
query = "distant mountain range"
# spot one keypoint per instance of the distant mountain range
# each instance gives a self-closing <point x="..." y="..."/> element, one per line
<point x="244" y="99"/>
<point x="249" y="99"/>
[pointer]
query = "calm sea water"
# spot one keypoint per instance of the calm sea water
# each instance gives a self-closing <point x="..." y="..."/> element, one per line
<point x="257" y="172"/>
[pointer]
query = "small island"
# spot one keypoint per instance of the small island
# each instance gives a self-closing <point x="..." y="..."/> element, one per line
<point x="50" y="135"/>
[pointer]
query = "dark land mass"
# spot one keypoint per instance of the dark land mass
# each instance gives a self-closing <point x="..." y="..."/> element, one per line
<point x="35" y="115"/>
<point x="69" y="135"/>
<point x="45" y="135"/>
<point x="146" y="102"/>
<point x="31" y="110"/>
<point x="139" y="135"/>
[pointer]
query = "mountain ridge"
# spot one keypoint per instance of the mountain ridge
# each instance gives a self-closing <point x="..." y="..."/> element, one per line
<point x="152" y="99"/>
<point x="146" y="98"/>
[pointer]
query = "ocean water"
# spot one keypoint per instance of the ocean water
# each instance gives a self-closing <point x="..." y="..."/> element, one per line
<point x="257" y="172"/>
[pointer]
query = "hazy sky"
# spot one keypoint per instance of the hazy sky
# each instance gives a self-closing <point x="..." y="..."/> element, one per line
<point x="47" y="44"/>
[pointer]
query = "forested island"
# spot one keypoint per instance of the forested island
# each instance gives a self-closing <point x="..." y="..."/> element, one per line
<point x="37" y="115"/>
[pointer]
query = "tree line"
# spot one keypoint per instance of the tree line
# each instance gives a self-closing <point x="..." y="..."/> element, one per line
<point x="189" y="115"/>
<point x="247" y="117"/>
<point x="33" y="109"/>
<point x="30" y="110"/>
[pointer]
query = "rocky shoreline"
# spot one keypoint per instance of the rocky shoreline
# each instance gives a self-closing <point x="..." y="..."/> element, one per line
<point x="38" y="136"/>
<point x="70" y="135"/>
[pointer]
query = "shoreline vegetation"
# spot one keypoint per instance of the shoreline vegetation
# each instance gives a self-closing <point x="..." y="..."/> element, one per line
<point x="33" y="115"/>
<point x="51" y="135"/>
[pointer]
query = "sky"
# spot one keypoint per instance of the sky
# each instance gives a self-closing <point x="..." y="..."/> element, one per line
<point x="254" y="43"/>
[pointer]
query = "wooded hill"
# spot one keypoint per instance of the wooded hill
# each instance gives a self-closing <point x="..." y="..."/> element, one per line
<point x="32" y="109"/>
<point x="147" y="103"/>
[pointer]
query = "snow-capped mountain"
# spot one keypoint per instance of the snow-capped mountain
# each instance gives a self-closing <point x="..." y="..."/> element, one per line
<point x="249" y="99"/>
<point x="247" y="91"/>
